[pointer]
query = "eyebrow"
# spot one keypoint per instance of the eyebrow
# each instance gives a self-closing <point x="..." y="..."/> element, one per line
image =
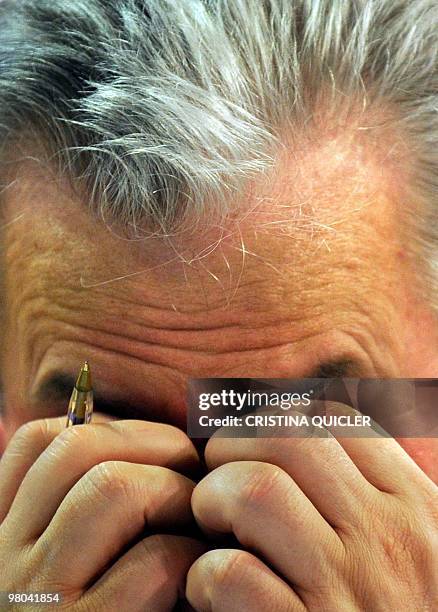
<point x="60" y="386"/>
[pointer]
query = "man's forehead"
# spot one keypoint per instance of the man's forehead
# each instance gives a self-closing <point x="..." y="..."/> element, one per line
<point x="251" y="271"/>
<point x="292" y="227"/>
<point x="284" y="285"/>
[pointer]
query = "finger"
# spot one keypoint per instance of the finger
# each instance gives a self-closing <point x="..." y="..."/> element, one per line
<point x="319" y="466"/>
<point x="113" y="503"/>
<point x="150" y="576"/>
<point x="380" y="458"/>
<point x="77" y="449"/>
<point x="268" y="513"/>
<point x="228" y="580"/>
<point x="23" y="450"/>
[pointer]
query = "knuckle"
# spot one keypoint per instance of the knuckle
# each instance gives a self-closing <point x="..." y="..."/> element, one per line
<point x="72" y="440"/>
<point x="182" y="445"/>
<point x="179" y="435"/>
<point x="29" y="433"/>
<point x="231" y="570"/>
<point x="149" y="550"/>
<point x="107" y="480"/>
<point x="182" y="441"/>
<point x="262" y="481"/>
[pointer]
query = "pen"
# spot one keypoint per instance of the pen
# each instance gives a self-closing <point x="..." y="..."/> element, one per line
<point x="80" y="407"/>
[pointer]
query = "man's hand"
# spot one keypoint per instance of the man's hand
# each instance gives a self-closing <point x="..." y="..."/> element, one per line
<point x="327" y="523"/>
<point x="72" y="502"/>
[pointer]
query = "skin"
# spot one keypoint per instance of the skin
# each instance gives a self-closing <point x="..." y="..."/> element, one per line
<point x="273" y="299"/>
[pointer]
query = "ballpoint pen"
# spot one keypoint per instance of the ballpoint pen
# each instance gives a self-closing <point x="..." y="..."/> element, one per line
<point x="80" y="407"/>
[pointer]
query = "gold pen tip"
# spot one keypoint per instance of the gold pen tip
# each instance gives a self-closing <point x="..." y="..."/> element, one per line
<point x="83" y="382"/>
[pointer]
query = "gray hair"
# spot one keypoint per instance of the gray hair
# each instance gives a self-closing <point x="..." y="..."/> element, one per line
<point x="163" y="110"/>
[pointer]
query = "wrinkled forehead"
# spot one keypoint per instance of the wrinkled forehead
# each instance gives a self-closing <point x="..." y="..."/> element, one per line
<point x="307" y="271"/>
<point x="332" y="221"/>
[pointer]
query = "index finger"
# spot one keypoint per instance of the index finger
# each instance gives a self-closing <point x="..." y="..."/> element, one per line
<point x="73" y="451"/>
<point x="27" y="444"/>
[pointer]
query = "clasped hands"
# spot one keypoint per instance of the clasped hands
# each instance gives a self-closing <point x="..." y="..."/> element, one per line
<point x="324" y="522"/>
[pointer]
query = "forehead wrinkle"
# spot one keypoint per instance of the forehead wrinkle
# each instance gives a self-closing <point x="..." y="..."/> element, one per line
<point x="259" y="271"/>
<point x="46" y="278"/>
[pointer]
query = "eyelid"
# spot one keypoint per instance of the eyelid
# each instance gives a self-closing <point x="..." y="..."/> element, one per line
<point x="342" y="368"/>
<point x="120" y="409"/>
